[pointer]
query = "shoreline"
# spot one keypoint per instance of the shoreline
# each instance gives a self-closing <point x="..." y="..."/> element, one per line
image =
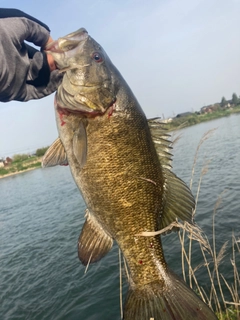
<point x="169" y="126"/>
<point x="25" y="166"/>
<point x="194" y="119"/>
<point x="17" y="172"/>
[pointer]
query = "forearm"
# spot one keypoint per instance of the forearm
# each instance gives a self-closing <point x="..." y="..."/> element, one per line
<point x="15" y="13"/>
<point x="22" y="26"/>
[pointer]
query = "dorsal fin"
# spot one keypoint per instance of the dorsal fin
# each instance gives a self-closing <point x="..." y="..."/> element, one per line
<point x="161" y="141"/>
<point x="178" y="200"/>
<point x="55" y="155"/>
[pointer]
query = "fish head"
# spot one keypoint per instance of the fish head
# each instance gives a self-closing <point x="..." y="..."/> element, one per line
<point x="87" y="85"/>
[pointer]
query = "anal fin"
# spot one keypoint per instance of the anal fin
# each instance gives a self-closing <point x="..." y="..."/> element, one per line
<point x="93" y="243"/>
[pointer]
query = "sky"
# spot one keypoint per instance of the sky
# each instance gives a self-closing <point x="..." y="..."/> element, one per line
<point x="176" y="56"/>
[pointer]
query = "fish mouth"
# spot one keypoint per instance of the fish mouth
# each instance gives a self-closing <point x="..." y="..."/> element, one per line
<point x="82" y="110"/>
<point x="65" y="47"/>
<point x="64" y="44"/>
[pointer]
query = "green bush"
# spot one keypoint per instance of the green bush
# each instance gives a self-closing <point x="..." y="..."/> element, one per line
<point x="20" y="167"/>
<point x="192" y="120"/>
<point x="40" y="152"/>
<point x="3" y="171"/>
<point x="20" y="157"/>
<point x="35" y="165"/>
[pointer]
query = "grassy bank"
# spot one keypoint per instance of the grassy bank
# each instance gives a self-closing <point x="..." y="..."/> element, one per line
<point x="22" y="162"/>
<point x="195" y="119"/>
<point x="20" y="166"/>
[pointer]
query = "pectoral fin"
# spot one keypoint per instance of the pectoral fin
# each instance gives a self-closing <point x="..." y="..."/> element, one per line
<point x="80" y="144"/>
<point x="93" y="243"/>
<point x="55" y="155"/>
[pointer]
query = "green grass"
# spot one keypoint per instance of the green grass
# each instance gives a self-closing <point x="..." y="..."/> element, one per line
<point x="20" y="166"/>
<point x="3" y="171"/>
<point x="230" y="314"/>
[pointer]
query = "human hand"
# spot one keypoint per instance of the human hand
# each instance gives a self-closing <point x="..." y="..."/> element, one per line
<point x="51" y="62"/>
<point x="25" y="72"/>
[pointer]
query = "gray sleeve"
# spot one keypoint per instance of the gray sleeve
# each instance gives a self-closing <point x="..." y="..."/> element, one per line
<point x="32" y="92"/>
<point x="16" y="13"/>
<point x="17" y="69"/>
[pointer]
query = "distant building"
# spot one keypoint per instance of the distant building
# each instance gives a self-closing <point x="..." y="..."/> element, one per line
<point x="7" y="161"/>
<point x="184" y="114"/>
<point x="210" y="108"/>
<point x="1" y="163"/>
<point x="229" y="104"/>
<point x="167" y="120"/>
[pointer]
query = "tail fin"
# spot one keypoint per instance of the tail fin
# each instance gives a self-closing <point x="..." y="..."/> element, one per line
<point x="173" y="302"/>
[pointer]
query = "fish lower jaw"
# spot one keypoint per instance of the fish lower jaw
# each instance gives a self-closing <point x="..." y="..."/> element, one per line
<point x="81" y="110"/>
<point x="84" y="110"/>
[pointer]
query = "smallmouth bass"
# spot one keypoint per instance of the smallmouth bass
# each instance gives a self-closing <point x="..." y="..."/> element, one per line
<point x="120" y="162"/>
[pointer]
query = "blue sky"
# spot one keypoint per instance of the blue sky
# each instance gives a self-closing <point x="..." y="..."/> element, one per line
<point x="176" y="56"/>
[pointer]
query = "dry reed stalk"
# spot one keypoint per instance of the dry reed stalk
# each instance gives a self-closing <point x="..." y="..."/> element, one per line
<point x="215" y="260"/>
<point x="236" y="286"/>
<point x="89" y="260"/>
<point x="207" y="298"/>
<point x="236" y="243"/>
<point x="182" y="239"/>
<point x="236" y="274"/>
<point x="190" y="270"/>
<point x="203" y="172"/>
<point x="120" y="283"/>
<point x="176" y="139"/>
<point x="206" y="136"/>
<point x="229" y="288"/>
<point x="233" y="303"/>
<point x="210" y="277"/>
<point x="126" y="269"/>
<point x="193" y="230"/>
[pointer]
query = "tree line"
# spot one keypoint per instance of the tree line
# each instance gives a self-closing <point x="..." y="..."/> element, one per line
<point x="235" y="100"/>
<point x="21" y="157"/>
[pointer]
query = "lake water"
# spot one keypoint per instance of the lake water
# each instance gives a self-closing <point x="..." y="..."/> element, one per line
<point x="42" y="212"/>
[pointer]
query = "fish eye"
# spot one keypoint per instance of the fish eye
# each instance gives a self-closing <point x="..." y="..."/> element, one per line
<point x="97" y="57"/>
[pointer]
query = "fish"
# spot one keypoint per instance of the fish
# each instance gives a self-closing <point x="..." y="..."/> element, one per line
<point x="121" y="163"/>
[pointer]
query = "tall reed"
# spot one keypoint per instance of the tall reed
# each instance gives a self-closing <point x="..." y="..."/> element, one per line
<point x="211" y="258"/>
